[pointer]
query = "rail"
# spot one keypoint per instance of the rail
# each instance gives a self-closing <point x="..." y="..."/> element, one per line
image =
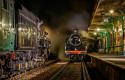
<point x="60" y="71"/>
<point x="85" y="74"/>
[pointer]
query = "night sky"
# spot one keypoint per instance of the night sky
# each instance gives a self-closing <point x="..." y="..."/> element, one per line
<point x="61" y="16"/>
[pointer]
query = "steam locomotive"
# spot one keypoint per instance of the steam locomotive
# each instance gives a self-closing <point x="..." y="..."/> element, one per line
<point x="75" y="46"/>
<point x="22" y="45"/>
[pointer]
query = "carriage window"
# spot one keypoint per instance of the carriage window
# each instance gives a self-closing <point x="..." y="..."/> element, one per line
<point x="26" y="33"/>
<point x="5" y="4"/>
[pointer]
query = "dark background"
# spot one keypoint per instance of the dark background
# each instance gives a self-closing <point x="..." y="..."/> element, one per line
<point x="60" y="17"/>
<point x="49" y="10"/>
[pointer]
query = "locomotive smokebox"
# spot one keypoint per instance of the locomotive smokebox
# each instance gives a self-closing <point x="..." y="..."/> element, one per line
<point x="75" y="46"/>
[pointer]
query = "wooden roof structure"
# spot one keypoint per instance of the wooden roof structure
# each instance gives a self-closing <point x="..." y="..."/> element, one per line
<point x="105" y="8"/>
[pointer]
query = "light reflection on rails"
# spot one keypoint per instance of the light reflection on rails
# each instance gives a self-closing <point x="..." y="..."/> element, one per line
<point x="80" y="74"/>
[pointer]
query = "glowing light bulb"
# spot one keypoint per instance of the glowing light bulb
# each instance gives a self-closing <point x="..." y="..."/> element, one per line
<point x="120" y="29"/>
<point x="34" y="33"/>
<point x="20" y="29"/>
<point x="111" y="11"/>
<point x="98" y="29"/>
<point x="95" y="33"/>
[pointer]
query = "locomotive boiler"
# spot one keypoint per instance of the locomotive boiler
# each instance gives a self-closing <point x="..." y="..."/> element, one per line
<point x="75" y="46"/>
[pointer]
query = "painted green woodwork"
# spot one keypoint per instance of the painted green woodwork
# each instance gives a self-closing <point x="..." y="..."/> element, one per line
<point x="105" y="35"/>
<point x="8" y="43"/>
<point x="109" y="27"/>
<point x="7" y="36"/>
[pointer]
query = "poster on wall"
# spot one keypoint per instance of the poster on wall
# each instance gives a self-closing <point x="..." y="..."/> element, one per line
<point x="119" y="34"/>
<point x="124" y="40"/>
<point x="104" y="42"/>
<point x="118" y="39"/>
<point x="111" y="39"/>
<point x="124" y="33"/>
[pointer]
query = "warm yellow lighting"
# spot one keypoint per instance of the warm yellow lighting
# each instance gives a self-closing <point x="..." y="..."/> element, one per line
<point x="98" y="29"/>
<point x="95" y="33"/>
<point x="120" y="29"/>
<point x="4" y="24"/>
<point x="111" y="11"/>
<point x="34" y="33"/>
<point x="115" y="30"/>
<point x="20" y="29"/>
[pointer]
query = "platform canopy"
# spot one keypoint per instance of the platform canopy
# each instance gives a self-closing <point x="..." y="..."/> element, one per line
<point x="105" y="8"/>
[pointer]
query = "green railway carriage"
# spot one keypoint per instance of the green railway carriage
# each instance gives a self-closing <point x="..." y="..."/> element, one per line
<point x="7" y="28"/>
<point x="18" y="26"/>
<point x="26" y="26"/>
<point x="20" y="35"/>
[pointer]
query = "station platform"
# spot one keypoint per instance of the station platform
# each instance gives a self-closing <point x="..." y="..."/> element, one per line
<point x="111" y="66"/>
<point x="116" y="60"/>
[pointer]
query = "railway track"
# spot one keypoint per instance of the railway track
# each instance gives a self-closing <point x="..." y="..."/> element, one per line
<point x="28" y="75"/>
<point x="61" y="71"/>
<point x="52" y="69"/>
<point x="72" y="71"/>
